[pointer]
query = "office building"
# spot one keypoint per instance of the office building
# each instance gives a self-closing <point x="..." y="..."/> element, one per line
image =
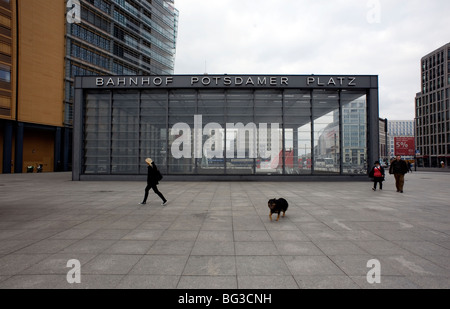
<point x="120" y="37"/>
<point x="225" y="126"/>
<point x="31" y="84"/>
<point x="383" y="153"/>
<point x="433" y="110"/>
<point x="42" y="49"/>
<point x="399" y="128"/>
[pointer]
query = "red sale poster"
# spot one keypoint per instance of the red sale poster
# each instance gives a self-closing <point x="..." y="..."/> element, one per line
<point x="404" y="146"/>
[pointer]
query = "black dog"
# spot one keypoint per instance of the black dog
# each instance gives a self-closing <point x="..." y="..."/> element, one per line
<point x="278" y="206"/>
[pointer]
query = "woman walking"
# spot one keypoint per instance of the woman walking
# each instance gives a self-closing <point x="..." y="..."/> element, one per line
<point x="377" y="173"/>
<point x="152" y="181"/>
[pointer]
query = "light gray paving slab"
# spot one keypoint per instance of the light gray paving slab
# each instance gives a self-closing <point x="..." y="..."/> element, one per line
<point x="207" y="282"/>
<point x="312" y="265"/>
<point x="326" y="282"/>
<point x="148" y="282"/>
<point x="139" y="247"/>
<point x="170" y="265"/>
<point x="210" y="266"/>
<point x="267" y="282"/>
<point x="261" y="265"/>
<point x="208" y="247"/>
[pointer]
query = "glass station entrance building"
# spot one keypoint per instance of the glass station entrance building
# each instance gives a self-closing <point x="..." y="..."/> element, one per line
<point x="225" y="127"/>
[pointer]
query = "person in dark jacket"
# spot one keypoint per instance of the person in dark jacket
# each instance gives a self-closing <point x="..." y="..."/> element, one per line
<point x="152" y="182"/>
<point x="377" y="173"/>
<point x="399" y="168"/>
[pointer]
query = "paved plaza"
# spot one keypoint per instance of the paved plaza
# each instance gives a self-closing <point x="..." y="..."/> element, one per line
<point x="218" y="234"/>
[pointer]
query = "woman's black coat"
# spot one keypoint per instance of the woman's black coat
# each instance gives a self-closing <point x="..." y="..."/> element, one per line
<point x="152" y="174"/>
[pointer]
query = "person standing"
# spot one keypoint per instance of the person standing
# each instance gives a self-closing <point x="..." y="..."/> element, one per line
<point x="152" y="182"/>
<point x="377" y="173"/>
<point x="399" y="168"/>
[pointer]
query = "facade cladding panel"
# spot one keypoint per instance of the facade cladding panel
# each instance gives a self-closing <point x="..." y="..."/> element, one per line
<point x="223" y="127"/>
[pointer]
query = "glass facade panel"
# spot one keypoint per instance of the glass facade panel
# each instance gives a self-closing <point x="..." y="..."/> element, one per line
<point x="297" y="131"/>
<point x="211" y="109"/>
<point x="182" y="108"/>
<point x="241" y="133"/>
<point x="325" y="108"/>
<point x="125" y="133"/>
<point x="354" y="127"/>
<point x="97" y="134"/>
<point x="268" y="114"/>
<point x="153" y="130"/>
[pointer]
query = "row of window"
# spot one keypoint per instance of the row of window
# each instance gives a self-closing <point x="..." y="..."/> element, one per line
<point x="434" y="150"/>
<point x="435" y="72"/>
<point x="90" y="37"/>
<point x="433" y="108"/>
<point x="434" y="84"/>
<point x="124" y="21"/>
<point x="435" y="128"/>
<point x="433" y="139"/>
<point x="94" y="19"/>
<point x="123" y="69"/>
<point x="75" y="70"/>
<point x="434" y="60"/>
<point x="89" y="56"/>
<point x="128" y="39"/>
<point x="102" y="5"/>
<point x="133" y="11"/>
<point x="433" y="97"/>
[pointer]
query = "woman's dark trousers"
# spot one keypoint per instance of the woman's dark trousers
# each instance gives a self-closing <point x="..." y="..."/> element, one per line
<point x="155" y="189"/>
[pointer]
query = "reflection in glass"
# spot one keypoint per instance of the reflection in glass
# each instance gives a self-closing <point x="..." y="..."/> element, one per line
<point x="232" y="131"/>
<point x="153" y="130"/>
<point x="182" y="107"/>
<point x="354" y="126"/>
<point x="211" y="108"/>
<point x="268" y="115"/>
<point x="125" y="133"/>
<point x="97" y="130"/>
<point x="241" y="133"/>
<point x="326" y="132"/>
<point x="297" y="124"/>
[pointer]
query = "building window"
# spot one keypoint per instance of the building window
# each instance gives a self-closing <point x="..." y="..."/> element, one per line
<point x="5" y="74"/>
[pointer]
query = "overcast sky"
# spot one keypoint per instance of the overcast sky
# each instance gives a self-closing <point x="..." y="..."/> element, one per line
<point x="377" y="37"/>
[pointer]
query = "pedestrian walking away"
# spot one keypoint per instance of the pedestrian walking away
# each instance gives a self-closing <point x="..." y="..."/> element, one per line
<point x="153" y="178"/>
<point x="377" y="173"/>
<point x="399" y="168"/>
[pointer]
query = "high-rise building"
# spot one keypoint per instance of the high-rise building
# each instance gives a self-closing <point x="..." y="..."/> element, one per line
<point x="120" y="37"/>
<point x="41" y="50"/>
<point x="433" y="110"/>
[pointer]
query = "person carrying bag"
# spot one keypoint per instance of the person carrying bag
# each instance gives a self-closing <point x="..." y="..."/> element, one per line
<point x="153" y="178"/>
<point x="377" y="173"/>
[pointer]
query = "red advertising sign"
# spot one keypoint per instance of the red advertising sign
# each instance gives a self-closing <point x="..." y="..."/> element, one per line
<point x="404" y="146"/>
